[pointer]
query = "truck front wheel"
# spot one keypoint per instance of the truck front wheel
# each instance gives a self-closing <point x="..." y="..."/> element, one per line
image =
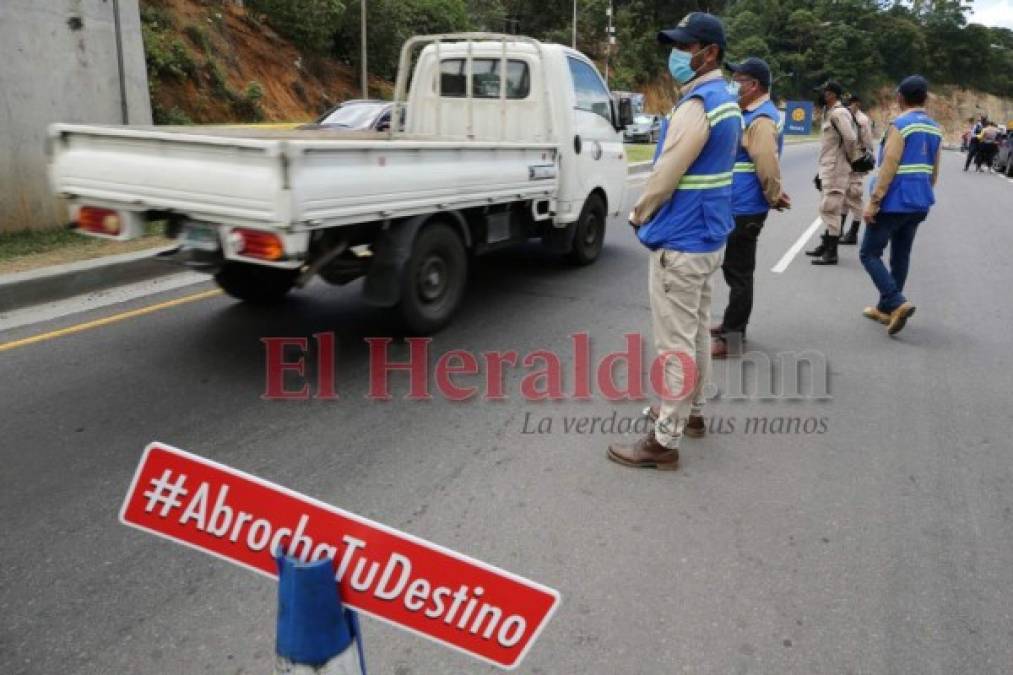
<point x="255" y="284"/>
<point x="589" y="236"/>
<point x="433" y="280"/>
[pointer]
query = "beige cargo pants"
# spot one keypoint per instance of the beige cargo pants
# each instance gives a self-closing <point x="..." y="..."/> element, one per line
<point x="680" y="292"/>
<point x="854" y="196"/>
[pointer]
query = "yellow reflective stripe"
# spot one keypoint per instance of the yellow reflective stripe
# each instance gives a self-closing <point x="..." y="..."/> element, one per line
<point x="723" y="108"/>
<point x="926" y="128"/>
<point x="744" y="167"/>
<point x="726" y="116"/>
<point x="915" y="168"/>
<point x="706" y="181"/>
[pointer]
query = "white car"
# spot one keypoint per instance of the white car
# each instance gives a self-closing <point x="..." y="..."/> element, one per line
<point x="483" y="161"/>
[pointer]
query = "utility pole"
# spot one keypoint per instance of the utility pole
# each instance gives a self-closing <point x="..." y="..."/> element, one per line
<point x="574" y="24"/>
<point x="365" y="78"/>
<point x="611" y="32"/>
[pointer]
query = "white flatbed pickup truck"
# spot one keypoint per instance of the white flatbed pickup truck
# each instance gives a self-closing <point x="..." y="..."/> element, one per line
<point x="473" y="161"/>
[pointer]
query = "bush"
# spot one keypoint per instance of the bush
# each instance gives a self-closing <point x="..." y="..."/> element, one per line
<point x="310" y="24"/>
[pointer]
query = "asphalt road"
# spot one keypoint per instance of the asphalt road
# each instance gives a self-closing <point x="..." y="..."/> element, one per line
<point x="882" y="545"/>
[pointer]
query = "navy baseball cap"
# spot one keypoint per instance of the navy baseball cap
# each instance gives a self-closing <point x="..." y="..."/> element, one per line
<point x="913" y="87"/>
<point x="831" y="85"/>
<point x="695" y="27"/>
<point x="755" y="68"/>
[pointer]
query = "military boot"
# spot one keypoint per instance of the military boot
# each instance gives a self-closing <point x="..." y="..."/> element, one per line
<point x="821" y="247"/>
<point x="851" y="237"/>
<point x="829" y="256"/>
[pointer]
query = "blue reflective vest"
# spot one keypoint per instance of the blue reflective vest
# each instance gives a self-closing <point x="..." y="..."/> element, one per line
<point x="747" y="193"/>
<point x="910" y="190"/>
<point x="698" y="216"/>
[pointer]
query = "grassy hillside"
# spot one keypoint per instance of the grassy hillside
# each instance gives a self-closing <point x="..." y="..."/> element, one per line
<point x="219" y="62"/>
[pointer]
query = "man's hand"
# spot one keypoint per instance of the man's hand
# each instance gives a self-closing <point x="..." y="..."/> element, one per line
<point x="634" y="223"/>
<point x="783" y="202"/>
<point x="870" y="214"/>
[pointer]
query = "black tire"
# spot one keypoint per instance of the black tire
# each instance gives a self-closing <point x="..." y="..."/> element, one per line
<point x="589" y="235"/>
<point x="256" y="284"/>
<point x="433" y="280"/>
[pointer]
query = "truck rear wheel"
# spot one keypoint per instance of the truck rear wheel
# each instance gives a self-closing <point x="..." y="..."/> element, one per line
<point x="590" y="232"/>
<point x="255" y="284"/>
<point x="433" y="280"/>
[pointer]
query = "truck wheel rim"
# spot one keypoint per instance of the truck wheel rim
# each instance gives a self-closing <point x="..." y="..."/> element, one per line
<point x="591" y="231"/>
<point x="433" y="279"/>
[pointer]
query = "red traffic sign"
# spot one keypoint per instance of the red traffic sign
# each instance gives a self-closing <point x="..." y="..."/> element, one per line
<point x="414" y="584"/>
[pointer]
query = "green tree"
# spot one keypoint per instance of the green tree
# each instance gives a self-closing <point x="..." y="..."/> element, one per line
<point x="310" y="24"/>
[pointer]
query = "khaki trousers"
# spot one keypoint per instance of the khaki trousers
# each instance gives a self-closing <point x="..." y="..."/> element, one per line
<point x="856" y="190"/>
<point x="831" y="208"/>
<point x="680" y="292"/>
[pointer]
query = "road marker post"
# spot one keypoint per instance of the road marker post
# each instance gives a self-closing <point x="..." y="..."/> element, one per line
<point x="316" y="635"/>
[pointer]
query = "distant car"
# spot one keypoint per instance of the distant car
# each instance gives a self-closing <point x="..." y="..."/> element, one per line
<point x="1003" y="161"/>
<point x="355" y="115"/>
<point x="645" y="129"/>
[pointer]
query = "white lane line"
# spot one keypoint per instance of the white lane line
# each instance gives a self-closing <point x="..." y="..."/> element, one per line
<point x="27" y="316"/>
<point x="790" y="254"/>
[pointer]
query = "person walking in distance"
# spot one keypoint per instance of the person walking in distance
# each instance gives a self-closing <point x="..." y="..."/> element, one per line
<point x="684" y="216"/>
<point x="973" y="142"/>
<point x="856" y="184"/>
<point x="901" y="198"/>
<point x="838" y="148"/>
<point x="756" y="188"/>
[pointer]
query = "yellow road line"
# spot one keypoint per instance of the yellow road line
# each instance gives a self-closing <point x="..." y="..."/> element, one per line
<point x="115" y="318"/>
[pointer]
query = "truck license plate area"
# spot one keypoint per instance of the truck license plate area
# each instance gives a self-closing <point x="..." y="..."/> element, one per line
<point x="201" y="237"/>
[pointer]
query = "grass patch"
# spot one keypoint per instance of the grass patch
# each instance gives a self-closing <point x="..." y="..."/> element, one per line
<point x="26" y="249"/>
<point x="27" y="242"/>
<point x="639" y="153"/>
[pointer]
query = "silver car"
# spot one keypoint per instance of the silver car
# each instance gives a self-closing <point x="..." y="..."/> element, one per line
<point x="645" y="129"/>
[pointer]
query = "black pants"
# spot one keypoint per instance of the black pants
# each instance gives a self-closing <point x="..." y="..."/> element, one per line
<point x="972" y="150"/>
<point x="738" y="267"/>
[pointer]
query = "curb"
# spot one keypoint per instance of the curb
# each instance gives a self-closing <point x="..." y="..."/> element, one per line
<point x="637" y="168"/>
<point x="36" y="287"/>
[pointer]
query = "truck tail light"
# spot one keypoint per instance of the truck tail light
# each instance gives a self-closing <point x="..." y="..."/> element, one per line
<point x="99" y="221"/>
<point x="257" y="244"/>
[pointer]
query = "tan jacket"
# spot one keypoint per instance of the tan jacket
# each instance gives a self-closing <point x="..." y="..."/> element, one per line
<point x="688" y="131"/>
<point x="760" y="141"/>
<point x="893" y="150"/>
<point x="838" y="148"/>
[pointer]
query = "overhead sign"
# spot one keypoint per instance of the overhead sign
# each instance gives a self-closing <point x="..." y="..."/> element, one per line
<point x="798" y="118"/>
<point x="411" y="583"/>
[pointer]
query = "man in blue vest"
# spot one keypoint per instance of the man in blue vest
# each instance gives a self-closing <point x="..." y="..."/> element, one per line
<point x="684" y="216"/>
<point x="901" y="198"/>
<point x="756" y="188"/>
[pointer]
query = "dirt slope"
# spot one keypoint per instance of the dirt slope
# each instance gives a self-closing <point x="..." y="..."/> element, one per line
<point x="218" y="62"/>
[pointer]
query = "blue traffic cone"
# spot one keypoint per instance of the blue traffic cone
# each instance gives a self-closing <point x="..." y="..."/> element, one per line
<point x="316" y="633"/>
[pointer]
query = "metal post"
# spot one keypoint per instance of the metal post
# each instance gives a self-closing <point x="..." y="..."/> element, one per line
<point x="124" y="110"/>
<point x="365" y="79"/>
<point x="574" y="24"/>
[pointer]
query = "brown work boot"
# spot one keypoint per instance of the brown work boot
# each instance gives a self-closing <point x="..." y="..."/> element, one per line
<point x="899" y="317"/>
<point x="645" y="453"/>
<point x="696" y="426"/>
<point x="876" y="315"/>
<point x="719" y="348"/>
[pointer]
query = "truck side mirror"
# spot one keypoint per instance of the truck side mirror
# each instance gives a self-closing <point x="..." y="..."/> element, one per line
<point x="624" y="107"/>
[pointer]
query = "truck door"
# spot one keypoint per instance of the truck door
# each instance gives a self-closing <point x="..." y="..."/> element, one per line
<point x="601" y="161"/>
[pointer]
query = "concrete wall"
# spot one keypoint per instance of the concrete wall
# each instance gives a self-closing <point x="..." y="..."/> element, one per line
<point x="58" y="63"/>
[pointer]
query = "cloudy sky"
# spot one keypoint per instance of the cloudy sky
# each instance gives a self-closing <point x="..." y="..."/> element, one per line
<point x="993" y="12"/>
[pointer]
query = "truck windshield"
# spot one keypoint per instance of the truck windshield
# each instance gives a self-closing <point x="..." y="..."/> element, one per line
<point x="354" y="115"/>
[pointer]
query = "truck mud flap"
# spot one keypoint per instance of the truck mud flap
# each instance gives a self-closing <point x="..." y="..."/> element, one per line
<point x="559" y="239"/>
<point x="391" y="251"/>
